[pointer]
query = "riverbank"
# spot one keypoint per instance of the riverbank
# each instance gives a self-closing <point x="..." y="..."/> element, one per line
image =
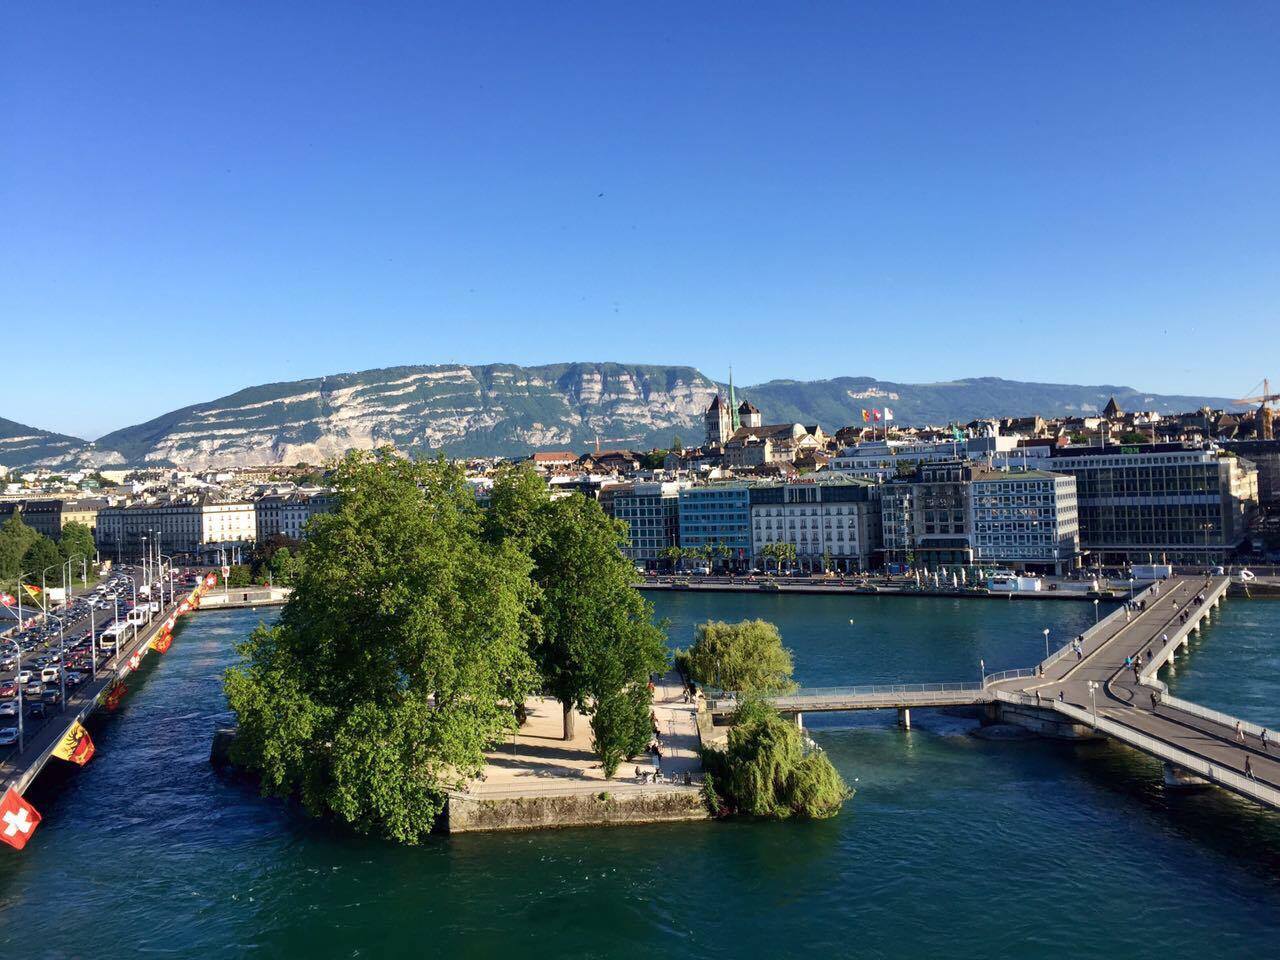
<point x="785" y="585"/>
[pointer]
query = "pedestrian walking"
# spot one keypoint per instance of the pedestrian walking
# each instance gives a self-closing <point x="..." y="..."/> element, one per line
<point x="1154" y="701"/>
<point x="1239" y="732"/>
<point x="1263" y="738"/>
<point x="1248" y="768"/>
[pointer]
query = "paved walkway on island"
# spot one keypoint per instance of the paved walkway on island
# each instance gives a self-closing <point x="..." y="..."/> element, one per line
<point x="537" y="761"/>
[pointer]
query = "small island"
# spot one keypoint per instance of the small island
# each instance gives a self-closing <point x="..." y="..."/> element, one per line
<point x="446" y="665"/>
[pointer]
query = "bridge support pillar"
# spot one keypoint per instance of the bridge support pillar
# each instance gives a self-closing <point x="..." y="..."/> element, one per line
<point x="1176" y="778"/>
<point x="904" y="718"/>
<point x="799" y="721"/>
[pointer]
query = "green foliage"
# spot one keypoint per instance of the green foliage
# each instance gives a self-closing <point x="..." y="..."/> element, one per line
<point x="746" y="657"/>
<point x="396" y="662"/>
<point x="16" y="538"/>
<point x="282" y="566"/>
<point x="620" y="725"/>
<point x="77" y="541"/>
<point x="769" y="771"/>
<point x="42" y="553"/>
<point x="241" y="575"/>
<point x="593" y="637"/>
<point x="1130" y="437"/>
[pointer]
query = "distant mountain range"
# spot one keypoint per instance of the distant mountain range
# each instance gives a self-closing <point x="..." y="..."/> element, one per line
<point x="503" y="410"/>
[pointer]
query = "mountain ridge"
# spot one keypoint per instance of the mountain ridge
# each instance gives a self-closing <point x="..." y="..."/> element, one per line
<point x="508" y="409"/>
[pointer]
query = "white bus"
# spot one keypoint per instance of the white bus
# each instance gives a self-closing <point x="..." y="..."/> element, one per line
<point x="110" y="637"/>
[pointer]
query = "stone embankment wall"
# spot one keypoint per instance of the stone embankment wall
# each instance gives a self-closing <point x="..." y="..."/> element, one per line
<point x="467" y="813"/>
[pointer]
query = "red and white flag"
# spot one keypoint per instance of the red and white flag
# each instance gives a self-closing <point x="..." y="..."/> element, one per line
<point x="18" y="819"/>
<point x="7" y="599"/>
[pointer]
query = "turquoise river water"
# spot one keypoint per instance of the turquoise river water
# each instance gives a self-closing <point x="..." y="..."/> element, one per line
<point x="953" y="846"/>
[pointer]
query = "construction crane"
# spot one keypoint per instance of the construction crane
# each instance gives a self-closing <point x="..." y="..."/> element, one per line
<point x="1264" y="431"/>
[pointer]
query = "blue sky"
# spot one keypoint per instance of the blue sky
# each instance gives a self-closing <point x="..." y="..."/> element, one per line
<point x="197" y="198"/>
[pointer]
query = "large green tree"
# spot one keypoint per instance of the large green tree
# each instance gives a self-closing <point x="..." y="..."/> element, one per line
<point x="746" y="657"/>
<point x="398" y="658"/>
<point x="77" y="541"/>
<point x="41" y="554"/>
<point x="594" y="641"/>
<point x="16" y="538"/>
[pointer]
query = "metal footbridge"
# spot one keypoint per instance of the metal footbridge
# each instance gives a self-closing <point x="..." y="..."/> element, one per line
<point x="1101" y="690"/>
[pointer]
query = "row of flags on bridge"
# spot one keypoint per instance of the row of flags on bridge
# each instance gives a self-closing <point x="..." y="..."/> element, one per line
<point x="18" y="818"/>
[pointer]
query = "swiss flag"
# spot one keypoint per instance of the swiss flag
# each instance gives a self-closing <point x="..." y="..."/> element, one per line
<point x="18" y="820"/>
<point x="7" y="599"/>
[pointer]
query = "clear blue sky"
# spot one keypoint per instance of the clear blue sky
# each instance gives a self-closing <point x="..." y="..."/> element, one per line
<point x="200" y="197"/>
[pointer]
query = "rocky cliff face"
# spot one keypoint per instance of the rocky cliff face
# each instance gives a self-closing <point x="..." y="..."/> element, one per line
<point x="461" y="410"/>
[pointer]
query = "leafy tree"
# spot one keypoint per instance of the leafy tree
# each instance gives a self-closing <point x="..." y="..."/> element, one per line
<point x="282" y="566"/>
<point x="241" y="575"/>
<point x="41" y="554"/>
<point x="77" y="541"/>
<point x="746" y="657"/>
<point x="398" y="658"/>
<point x="16" y="538"/>
<point x="768" y="770"/>
<point x="1130" y="437"/>
<point x="594" y="640"/>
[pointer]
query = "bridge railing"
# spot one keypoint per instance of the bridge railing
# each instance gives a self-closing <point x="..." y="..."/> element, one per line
<point x="1160" y="749"/>
<point x="1228" y="721"/>
<point x="990" y="678"/>
<point x="872" y="691"/>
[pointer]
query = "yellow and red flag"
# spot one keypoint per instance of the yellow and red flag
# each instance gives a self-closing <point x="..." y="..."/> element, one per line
<point x="111" y="699"/>
<point x="76" y="746"/>
<point x="162" y="643"/>
<point x="34" y="591"/>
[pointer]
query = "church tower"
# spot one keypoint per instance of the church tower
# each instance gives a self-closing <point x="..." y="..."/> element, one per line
<point x="719" y="423"/>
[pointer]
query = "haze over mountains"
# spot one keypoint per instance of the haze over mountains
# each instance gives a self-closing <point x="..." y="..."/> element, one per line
<point x="504" y="409"/>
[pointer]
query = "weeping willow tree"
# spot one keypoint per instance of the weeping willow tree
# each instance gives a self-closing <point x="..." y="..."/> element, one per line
<point x="770" y="771"/>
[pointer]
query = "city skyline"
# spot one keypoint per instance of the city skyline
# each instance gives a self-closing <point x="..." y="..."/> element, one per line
<point x="918" y="195"/>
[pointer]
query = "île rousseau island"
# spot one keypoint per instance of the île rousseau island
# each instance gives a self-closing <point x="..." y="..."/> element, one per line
<point x="446" y="666"/>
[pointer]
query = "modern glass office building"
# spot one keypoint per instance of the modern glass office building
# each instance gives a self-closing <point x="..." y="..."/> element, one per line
<point x="718" y="515"/>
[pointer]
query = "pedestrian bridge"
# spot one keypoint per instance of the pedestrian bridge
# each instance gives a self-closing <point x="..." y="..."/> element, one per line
<point x="1108" y="688"/>
<point x="869" y="697"/>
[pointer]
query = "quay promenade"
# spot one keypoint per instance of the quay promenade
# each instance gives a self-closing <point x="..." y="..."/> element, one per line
<point x="1100" y="692"/>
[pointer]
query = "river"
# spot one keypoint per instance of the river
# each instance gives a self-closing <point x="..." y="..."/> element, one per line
<point x="953" y="846"/>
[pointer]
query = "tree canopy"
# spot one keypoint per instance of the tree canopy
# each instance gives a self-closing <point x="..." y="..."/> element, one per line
<point x="746" y="657"/>
<point x="769" y="770"/>
<point x="398" y="659"/>
<point x="77" y="541"/>
<point x="16" y="538"/>
<point x="42" y="553"/>
<point x="593" y="637"/>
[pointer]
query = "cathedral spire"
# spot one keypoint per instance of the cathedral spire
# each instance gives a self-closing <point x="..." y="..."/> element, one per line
<point x="734" y="422"/>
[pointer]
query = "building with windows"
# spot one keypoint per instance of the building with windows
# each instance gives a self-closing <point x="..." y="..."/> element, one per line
<point x="287" y="515"/>
<point x="1026" y="520"/>
<point x="651" y="512"/>
<point x="1159" y="502"/>
<point x="832" y="525"/>
<point x="886" y="459"/>
<point x="717" y="516"/>
<point x="960" y="514"/>
<point x="197" y="527"/>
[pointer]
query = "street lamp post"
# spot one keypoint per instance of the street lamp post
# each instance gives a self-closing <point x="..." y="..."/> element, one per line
<point x="62" y="661"/>
<point x="1095" y="612"/>
<point x="1093" y="699"/>
<point x="1046" y="643"/>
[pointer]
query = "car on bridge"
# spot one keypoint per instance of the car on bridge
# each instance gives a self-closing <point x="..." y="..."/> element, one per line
<point x="8" y="736"/>
<point x="8" y="709"/>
